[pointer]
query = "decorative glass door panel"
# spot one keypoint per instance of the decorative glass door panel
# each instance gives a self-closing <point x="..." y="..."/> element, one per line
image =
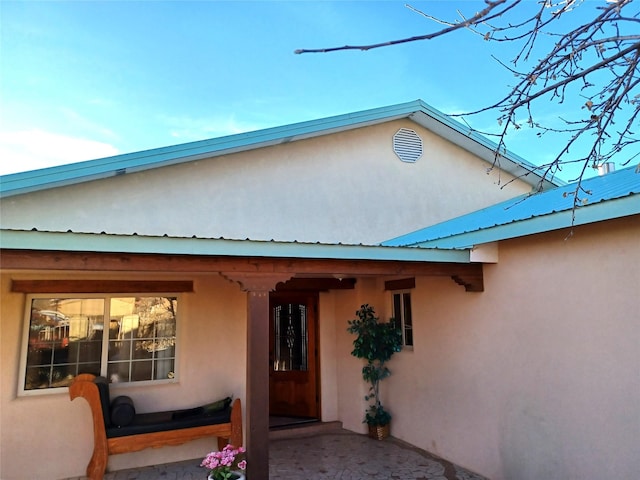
<point x="291" y="337"/>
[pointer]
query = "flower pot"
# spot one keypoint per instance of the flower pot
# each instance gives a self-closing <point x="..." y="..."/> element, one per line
<point x="379" y="432"/>
<point x="234" y="476"/>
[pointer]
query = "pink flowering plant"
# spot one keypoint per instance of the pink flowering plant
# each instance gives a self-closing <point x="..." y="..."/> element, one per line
<point x="224" y="464"/>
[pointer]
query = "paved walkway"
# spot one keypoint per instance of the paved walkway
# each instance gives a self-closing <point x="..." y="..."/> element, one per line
<point x="337" y="455"/>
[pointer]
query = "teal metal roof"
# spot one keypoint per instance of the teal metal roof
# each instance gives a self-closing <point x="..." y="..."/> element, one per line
<point x="147" y="244"/>
<point x="417" y="111"/>
<point x="614" y="195"/>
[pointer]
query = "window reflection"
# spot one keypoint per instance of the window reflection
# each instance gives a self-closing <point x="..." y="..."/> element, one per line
<point x="142" y="336"/>
<point x="65" y="339"/>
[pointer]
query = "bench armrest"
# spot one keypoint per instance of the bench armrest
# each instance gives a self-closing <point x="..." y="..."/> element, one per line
<point x="83" y="386"/>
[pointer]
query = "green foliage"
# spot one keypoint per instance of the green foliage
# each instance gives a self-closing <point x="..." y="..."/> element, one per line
<point x="377" y="416"/>
<point x="375" y="342"/>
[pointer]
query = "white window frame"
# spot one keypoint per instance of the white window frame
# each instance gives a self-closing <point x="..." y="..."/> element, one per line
<point x="105" y="339"/>
<point x="400" y="318"/>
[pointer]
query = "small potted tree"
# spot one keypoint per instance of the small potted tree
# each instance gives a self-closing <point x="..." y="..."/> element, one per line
<point x="375" y="342"/>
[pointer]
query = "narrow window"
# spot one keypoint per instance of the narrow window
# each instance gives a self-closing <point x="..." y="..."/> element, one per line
<point x="402" y="316"/>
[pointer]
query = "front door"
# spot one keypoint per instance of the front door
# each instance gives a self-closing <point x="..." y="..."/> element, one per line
<point x="293" y="389"/>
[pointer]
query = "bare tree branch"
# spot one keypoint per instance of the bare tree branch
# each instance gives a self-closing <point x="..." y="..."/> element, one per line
<point x="491" y="5"/>
<point x="597" y="63"/>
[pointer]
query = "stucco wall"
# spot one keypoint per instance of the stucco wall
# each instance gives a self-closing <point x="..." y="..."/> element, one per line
<point x="48" y="436"/>
<point x="328" y="357"/>
<point x="538" y="376"/>
<point x="351" y="388"/>
<point x="535" y="378"/>
<point x="326" y="189"/>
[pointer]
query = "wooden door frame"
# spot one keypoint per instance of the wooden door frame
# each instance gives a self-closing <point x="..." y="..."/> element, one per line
<point x="297" y="296"/>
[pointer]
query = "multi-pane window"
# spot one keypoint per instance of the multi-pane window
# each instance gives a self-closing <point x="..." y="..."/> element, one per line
<point x="125" y="338"/>
<point x="402" y="316"/>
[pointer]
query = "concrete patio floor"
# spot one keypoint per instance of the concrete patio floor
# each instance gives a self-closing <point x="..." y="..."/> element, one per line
<point x="334" y="453"/>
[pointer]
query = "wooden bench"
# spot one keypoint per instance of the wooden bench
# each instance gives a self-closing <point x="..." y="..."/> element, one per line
<point x="151" y="429"/>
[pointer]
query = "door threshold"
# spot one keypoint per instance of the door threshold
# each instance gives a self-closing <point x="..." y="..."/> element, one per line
<point x="305" y="430"/>
<point x="277" y="422"/>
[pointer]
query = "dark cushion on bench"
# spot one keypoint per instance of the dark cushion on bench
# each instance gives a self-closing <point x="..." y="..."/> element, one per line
<point x="206" y="410"/>
<point x="214" y="407"/>
<point x="191" y="412"/>
<point x="122" y="411"/>
<point x="103" y="388"/>
<point x="118" y="423"/>
<point x="164" y="421"/>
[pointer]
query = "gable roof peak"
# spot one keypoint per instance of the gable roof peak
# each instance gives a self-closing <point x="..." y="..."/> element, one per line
<point x="417" y="111"/>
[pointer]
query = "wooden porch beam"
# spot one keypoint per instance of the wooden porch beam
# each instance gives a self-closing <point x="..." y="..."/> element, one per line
<point x="101" y="286"/>
<point x="401" y="284"/>
<point x="472" y="282"/>
<point x="119" y="262"/>
<point x="317" y="284"/>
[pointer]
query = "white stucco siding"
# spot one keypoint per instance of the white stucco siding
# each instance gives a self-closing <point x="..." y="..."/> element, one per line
<point x="212" y="364"/>
<point x="328" y="189"/>
<point x="537" y="377"/>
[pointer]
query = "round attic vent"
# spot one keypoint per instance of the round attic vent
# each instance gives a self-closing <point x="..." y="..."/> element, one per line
<point x="407" y="145"/>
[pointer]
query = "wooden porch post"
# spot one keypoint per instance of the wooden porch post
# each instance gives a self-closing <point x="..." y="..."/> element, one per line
<point x="258" y="385"/>
<point x="257" y="287"/>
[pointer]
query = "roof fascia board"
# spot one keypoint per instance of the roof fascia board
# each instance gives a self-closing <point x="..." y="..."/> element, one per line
<point x="481" y="146"/>
<point x="110" y="243"/>
<point x="485" y="149"/>
<point x="609" y="210"/>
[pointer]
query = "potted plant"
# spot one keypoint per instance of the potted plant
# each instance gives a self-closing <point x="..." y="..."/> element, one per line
<point x="227" y="464"/>
<point x="375" y="342"/>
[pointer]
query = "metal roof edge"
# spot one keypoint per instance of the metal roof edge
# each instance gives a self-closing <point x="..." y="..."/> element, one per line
<point x="70" y="174"/>
<point x="516" y="165"/>
<point x="598" y="212"/>
<point x="144" y="244"/>
<point x="79" y="172"/>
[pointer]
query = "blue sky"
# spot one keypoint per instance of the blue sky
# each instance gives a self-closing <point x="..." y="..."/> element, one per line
<point x="89" y="79"/>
